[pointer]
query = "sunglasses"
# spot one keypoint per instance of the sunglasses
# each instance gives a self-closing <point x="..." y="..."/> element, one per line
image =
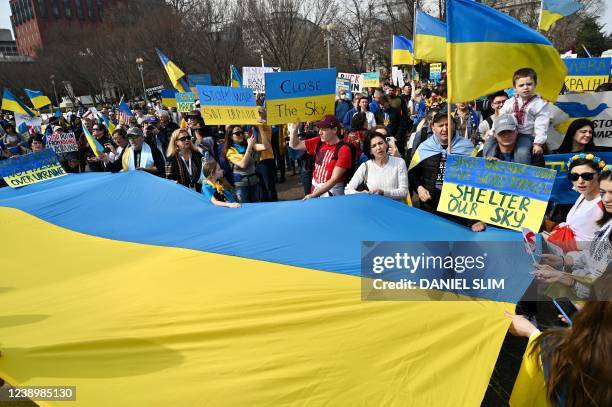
<point x="587" y="176"/>
<point x="185" y="138"/>
<point x="238" y="133"/>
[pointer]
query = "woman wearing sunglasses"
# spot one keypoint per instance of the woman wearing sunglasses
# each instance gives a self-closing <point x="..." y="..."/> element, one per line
<point x="580" y="225"/>
<point x="184" y="163"/>
<point x="240" y="149"/>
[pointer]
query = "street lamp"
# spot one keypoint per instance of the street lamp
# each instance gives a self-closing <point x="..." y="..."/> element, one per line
<point x="327" y="36"/>
<point x="52" y="77"/>
<point x="139" y="62"/>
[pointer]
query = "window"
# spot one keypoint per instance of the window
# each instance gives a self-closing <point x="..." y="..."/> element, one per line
<point x="42" y="8"/>
<point x="79" y="9"/>
<point x="100" y="4"/>
<point x="68" y="8"/>
<point x="28" y="9"/>
<point x="90" y="10"/>
<point x="55" y="8"/>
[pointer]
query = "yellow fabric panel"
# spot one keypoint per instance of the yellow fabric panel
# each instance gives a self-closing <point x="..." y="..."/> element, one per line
<point x="430" y="48"/>
<point x="548" y="18"/>
<point x="530" y="389"/>
<point x="134" y="325"/>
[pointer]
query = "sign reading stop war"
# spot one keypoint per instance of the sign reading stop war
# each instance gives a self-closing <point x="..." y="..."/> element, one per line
<point x="227" y="105"/>
<point x="300" y="95"/>
<point x="31" y="168"/>
<point x="499" y="193"/>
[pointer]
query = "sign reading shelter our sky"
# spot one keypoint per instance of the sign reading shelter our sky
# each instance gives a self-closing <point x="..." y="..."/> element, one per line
<point x="300" y="95"/>
<point x="227" y="105"/>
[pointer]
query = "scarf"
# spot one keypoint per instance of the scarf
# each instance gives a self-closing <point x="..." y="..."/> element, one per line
<point x="146" y="158"/>
<point x="520" y="113"/>
<point x="239" y="148"/>
<point x="432" y="146"/>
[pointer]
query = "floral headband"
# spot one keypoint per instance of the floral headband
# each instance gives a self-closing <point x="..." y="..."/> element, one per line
<point x="607" y="168"/>
<point x="590" y="157"/>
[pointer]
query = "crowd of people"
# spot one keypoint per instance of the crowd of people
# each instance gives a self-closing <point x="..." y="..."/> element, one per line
<point x="392" y="142"/>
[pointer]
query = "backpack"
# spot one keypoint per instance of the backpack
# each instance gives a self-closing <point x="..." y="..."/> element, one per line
<point x="349" y="173"/>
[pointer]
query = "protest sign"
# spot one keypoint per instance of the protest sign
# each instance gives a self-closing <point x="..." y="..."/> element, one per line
<point x="499" y="193"/>
<point x="185" y="101"/>
<point x="355" y="79"/>
<point x="253" y="77"/>
<point x="24" y="122"/>
<point x="343" y="85"/>
<point x="62" y="142"/>
<point x="586" y="74"/>
<point x="594" y="106"/>
<point x="370" y="80"/>
<point x="195" y="79"/>
<point x="563" y="192"/>
<point x="31" y="168"/>
<point x="300" y="95"/>
<point x="227" y="105"/>
<point x="435" y="72"/>
<point x="154" y="90"/>
<point x="397" y="76"/>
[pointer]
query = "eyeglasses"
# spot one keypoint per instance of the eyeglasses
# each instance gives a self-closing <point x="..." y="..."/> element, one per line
<point x="238" y="133"/>
<point x="95" y="128"/>
<point x="184" y="138"/>
<point x="587" y="176"/>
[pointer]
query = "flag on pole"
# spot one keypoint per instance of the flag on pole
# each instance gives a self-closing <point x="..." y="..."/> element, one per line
<point x="12" y="104"/>
<point x="107" y="123"/>
<point x="168" y="97"/>
<point x="485" y="47"/>
<point x="95" y="145"/>
<point x="401" y="51"/>
<point x="553" y="10"/>
<point x="174" y="73"/>
<point x="429" y="38"/>
<point x="37" y="98"/>
<point x="236" y="79"/>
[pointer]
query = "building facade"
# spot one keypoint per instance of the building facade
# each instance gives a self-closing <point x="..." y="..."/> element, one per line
<point x="8" y="46"/>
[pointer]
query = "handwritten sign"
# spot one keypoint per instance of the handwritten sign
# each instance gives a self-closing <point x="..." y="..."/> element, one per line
<point x="185" y="101"/>
<point x="300" y="95"/>
<point x="31" y="168"/>
<point x="594" y="106"/>
<point x="499" y="193"/>
<point x="253" y="77"/>
<point x="355" y="79"/>
<point x="435" y="72"/>
<point x="343" y="85"/>
<point x="227" y="105"/>
<point x="62" y="142"/>
<point x="586" y="74"/>
<point x="370" y="80"/>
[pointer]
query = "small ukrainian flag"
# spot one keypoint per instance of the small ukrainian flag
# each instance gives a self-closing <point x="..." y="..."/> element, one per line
<point x="236" y="79"/>
<point x="38" y="99"/>
<point x="401" y="51"/>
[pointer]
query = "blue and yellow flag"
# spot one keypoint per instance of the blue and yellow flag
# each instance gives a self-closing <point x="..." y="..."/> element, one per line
<point x="107" y="123"/>
<point x="174" y="72"/>
<point x="429" y="38"/>
<point x="168" y="97"/>
<point x="38" y="99"/>
<point x="95" y="145"/>
<point x="125" y="108"/>
<point x="12" y="104"/>
<point x="485" y="47"/>
<point x="236" y="80"/>
<point x="401" y="51"/>
<point x="553" y="10"/>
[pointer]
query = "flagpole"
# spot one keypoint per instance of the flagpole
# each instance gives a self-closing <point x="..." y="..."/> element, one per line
<point x="448" y="87"/>
<point x="414" y="14"/>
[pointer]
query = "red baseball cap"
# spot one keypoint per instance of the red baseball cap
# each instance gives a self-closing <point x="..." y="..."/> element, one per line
<point x="328" y="121"/>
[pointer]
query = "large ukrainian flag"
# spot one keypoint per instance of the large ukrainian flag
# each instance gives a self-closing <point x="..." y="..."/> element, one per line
<point x="485" y="47"/>
<point x="37" y="98"/>
<point x="401" y="51"/>
<point x="553" y="10"/>
<point x="166" y="300"/>
<point x="174" y="72"/>
<point x="429" y="38"/>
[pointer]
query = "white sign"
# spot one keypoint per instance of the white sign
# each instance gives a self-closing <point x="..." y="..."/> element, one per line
<point x="355" y="79"/>
<point x="254" y="77"/>
<point x="594" y="106"/>
<point x="397" y="76"/>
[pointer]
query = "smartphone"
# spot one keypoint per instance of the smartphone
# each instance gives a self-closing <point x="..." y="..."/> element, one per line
<point x="566" y="308"/>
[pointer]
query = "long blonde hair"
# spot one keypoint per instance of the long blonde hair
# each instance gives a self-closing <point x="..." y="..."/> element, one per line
<point x="172" y="144"/>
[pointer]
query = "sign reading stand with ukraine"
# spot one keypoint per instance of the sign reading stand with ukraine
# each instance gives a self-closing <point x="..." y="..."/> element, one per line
<point x="31" y="168"/>
<point x="228" y="105"/>
<point x="499" y="193"/>
<point x="300" y="95"/>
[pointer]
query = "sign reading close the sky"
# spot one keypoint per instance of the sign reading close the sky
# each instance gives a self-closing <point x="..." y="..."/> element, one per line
<point x="300" y="95"/>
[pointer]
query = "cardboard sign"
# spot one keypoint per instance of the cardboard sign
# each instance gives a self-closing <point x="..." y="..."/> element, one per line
<point x="227" y="105"/>
<point x="185" y="101"/>
<point x="355" y="79"/>
<point x="499" y="193"/>
<point x="594" y="106"/>
<point x="31" y="168"/>
<point x="253" y="77"/>
<point x="300" y="95"/>
<point x="62" y="142"/>
<point x="370" y="80"/>
<point x="435" y="72"/>
<point x="586" y="74"/>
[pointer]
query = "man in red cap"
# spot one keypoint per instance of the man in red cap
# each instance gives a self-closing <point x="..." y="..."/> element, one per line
<point x="333" y="158"/>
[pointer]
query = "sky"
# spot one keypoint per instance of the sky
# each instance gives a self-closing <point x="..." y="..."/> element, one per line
<point x="5" y="12"/>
